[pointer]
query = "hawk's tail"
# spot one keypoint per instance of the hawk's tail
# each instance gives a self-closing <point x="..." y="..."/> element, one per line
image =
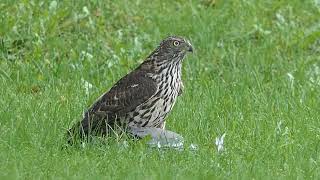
<point x="82" y="130"/>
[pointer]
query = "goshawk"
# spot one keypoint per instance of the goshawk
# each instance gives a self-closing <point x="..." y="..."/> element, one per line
<point x="140" y="101"/>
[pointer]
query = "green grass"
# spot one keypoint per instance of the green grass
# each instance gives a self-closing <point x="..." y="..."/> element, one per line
<point x="254" y="76"/>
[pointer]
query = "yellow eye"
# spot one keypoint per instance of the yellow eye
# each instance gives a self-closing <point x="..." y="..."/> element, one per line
<point x="176" y="43"/>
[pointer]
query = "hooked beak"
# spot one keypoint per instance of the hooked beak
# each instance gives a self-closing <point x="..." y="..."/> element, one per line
<point x="189" y="47"/>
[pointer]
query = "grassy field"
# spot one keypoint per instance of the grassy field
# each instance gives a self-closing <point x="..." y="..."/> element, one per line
<point x="254" y="76"/>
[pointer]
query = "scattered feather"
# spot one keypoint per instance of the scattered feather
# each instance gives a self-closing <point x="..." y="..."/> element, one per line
<point x="219" y="142"/>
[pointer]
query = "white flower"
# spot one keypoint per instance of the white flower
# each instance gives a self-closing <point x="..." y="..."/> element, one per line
<point x="290" y="76"/>
<point x="314" y="75"/>
<point x="280" y="18"/>
<point x="85" y="11"/>
<point x="278" y="128"/>
<point x="86" y="54"/>
<point x="125" y="144"/>
<point x="259" y="28"/>
<point x="219" y="142"/>
<point x="193" y="147"/>
<point x="53" y="5"/>
<point x="83" y="145"/>
<point x="291" y="79"/>
<point x="88" y="86"/>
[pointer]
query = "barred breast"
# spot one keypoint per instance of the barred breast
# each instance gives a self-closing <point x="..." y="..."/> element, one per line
<point x="153" y="112"/>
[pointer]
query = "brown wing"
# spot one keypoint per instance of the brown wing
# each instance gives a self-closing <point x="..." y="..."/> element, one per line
<point x="128" y="93"/>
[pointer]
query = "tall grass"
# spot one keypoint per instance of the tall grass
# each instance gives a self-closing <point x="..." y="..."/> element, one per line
<point x="255" y="76"/>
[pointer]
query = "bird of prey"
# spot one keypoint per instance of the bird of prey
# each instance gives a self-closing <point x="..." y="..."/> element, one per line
<point x="140" y="101"/>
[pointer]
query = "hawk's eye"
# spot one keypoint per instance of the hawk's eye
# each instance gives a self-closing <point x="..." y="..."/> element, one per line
<point x="176" y="43"/>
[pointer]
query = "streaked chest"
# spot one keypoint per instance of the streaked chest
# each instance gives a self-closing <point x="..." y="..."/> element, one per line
<point x="153" y="112"/>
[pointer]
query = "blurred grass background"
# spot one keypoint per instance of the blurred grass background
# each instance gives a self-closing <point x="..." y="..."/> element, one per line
<point x="255" y="75"/>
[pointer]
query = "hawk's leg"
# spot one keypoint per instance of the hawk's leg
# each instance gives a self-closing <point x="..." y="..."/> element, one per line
<point x="160" y="137"/>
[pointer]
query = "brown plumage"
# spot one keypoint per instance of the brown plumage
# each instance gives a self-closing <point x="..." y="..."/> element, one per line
<point x="142" y="98"/>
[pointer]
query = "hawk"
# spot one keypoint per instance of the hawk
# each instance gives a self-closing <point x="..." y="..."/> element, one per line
<point x="140" y="101"/>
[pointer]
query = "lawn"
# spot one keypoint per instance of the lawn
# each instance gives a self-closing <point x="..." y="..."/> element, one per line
<point x="254" y="76"/>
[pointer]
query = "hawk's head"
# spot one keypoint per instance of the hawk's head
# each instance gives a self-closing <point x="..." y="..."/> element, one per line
<point x="175" y="44"/>
<point x="171" y="49"/>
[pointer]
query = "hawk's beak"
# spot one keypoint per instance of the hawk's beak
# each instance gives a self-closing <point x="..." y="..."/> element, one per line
<point x="189" y="47"/>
